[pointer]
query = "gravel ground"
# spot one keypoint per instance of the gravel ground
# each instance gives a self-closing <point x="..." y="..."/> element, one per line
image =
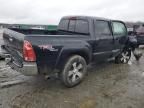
<point x="107" y="85"/>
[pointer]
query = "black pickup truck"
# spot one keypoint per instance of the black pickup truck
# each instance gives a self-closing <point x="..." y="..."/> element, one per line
<point x="78" y="41"/>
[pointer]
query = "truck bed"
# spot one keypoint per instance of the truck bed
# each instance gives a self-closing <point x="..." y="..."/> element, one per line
<point x="41" y="32"/>
<point x="34" y="31"/>
<point x="13" y="44"/>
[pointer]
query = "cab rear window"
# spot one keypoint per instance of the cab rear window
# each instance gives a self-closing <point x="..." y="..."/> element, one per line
<point x="74" y="25"/>
<point x="63" y="25"/>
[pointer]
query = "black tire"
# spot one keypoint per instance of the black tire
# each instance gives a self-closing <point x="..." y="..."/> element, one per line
<point x="123" y="57"/>
<point x="74" y="71"/>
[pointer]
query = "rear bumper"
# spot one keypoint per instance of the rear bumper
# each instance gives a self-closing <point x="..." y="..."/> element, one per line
<point x="27" y="68"/>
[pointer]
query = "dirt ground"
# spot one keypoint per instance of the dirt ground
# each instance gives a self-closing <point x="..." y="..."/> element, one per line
<point x="107" y="85"/>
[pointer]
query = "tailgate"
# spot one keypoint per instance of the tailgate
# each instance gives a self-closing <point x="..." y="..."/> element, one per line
<point x="13" y="44"/>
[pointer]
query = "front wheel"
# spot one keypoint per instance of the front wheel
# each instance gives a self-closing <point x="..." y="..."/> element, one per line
<point x="123" y="57"/>
<point x="74" y="71"/>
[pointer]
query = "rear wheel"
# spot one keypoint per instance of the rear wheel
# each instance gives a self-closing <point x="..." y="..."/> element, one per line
<point x="124" y="57"/>
<point x="74" y="71"/>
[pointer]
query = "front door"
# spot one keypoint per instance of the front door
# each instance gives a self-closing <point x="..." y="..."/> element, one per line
<point x="104" y="40"/>
<point x="120" y="36"/>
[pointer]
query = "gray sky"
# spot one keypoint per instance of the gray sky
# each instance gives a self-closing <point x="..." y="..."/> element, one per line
<point x="50" y="11"/>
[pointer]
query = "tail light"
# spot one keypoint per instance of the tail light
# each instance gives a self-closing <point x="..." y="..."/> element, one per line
<point x="28" y="52"/>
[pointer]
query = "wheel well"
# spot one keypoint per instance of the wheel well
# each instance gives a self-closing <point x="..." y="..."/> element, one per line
<point x="63" y="59"/>
<point x="83" y="54"/>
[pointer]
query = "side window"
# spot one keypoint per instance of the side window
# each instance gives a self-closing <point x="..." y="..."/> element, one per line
<point x="82" y="26"/>
<point x="102" y="28"/>
<point x="72" y="24"/>
<point x="119" y="29"/>
<point x="63" y="25"/>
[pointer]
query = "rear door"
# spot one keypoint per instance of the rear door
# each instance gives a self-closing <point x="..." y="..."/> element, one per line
<point x="120" y="36"/>
<point x="104" y="40"/>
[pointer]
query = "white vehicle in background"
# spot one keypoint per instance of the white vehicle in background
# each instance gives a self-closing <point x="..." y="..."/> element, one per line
<point x="38" y="28"/>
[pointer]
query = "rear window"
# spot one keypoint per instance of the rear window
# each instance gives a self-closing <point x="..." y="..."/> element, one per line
<point x="72" y="24"/>
<point x="63" y="25"/>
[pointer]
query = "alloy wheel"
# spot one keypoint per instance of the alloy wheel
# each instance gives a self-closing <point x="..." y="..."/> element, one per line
<point x="76" y="72"/>
<point x="125" y="56"/>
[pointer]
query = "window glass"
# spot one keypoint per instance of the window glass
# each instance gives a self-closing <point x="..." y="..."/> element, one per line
<point x="119" y="29"/>
<point x="102" y="28"/>
<point x="82" y="26"/>
<point x="72" y="25"/>
<point x="63" y="24"/>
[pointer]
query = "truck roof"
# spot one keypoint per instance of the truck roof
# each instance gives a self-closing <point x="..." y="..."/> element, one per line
<point x="85" y="17"/>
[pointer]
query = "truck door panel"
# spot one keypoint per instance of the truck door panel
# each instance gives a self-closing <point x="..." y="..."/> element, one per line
<point x="120" y="35"/>
<point x="104" y="40"/>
